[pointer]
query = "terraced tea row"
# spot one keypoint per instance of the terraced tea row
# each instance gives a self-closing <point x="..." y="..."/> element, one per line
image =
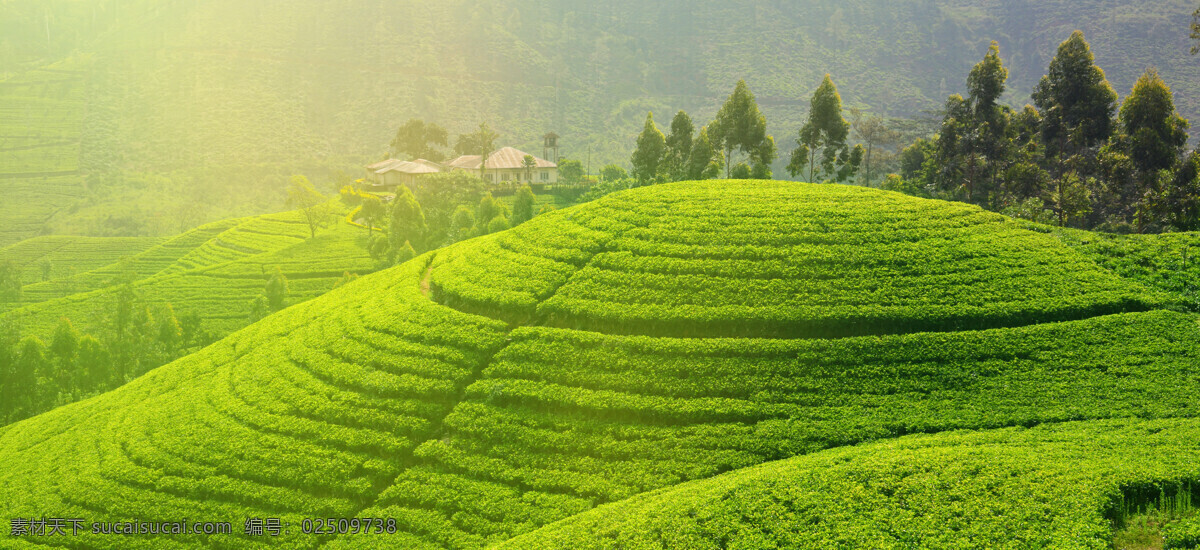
<point x="60" y="256"/>
<point x="590" y="418"/>
<point x="214" y="271"/>
<point x="1054" y="486"/>
<point x="378" y="401"/>
<point x="778" y="260"/>
<point x="307" y="414"/>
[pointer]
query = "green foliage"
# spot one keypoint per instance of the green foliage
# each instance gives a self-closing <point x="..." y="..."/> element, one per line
<point x="649" y="157"/>
<point x="480" y="142"/>
<point x="973" y="141"/>
<point x="276" y="290"/>
<point x="741" y="126"/>
<point x="681" y="277"/>
<point x="679" y="146"/>
<point x="170" y="331"/>
<point x="1045" y="487"/>
<point x="570" y="171"/>
<point x="489" y="209"/>
<point x="408" y="219"/>
<point x="404" y="253"/>
<point x="874" y="132"/>
<point x="439" y="196"/>
<point x="893" y="182"/>
<point x="372" y="211"/>
<point x="740" y="172"/>
<point x="462" y="223"/>
<point x="10" y="282"/>
<point x="1195" y="34"/>
<point x="260" y="307"/>
<point x="704" y="162"/>
<point x="65" y="342"/>
<point x="499" y="223"/>
<point x="457" y="394"/>
<point x="612" y="172"/>
<point x="314" y="206"/>
<point x="1076" y="100"/>
<point x="1180" y="203"/>
<point x="1156" y="133"/>
<point x="415" y="139"/>
<point x="822" y="148"/>
<point x="522" y="210"/>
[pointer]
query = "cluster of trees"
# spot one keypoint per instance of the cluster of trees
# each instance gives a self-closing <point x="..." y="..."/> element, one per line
<point x="440" y="209"/>
<point x="822" y="150"/>
<point x="36" y="376"/>
<point x="1076" y="156"/>
<point x="684" y="154"/>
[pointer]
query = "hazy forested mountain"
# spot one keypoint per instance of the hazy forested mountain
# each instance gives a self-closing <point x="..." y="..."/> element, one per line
<point x="166" y="114"/>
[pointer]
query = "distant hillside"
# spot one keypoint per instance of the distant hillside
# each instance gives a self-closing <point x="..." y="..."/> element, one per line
<point x="220" y="100"/>
<point x="214" y="271"/>
<point x="600" y="352"/>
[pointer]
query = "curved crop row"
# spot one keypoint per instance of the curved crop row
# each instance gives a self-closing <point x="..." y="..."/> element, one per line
<point x="562" y="420"/>
<point x="1048" y="487"/>
<point x="782" y="260"/>
<point x="290" y="418"/>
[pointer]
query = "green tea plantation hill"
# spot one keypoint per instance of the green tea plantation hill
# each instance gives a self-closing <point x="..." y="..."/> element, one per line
<point x="214" y="271"/>
<point x="692" y="365"/>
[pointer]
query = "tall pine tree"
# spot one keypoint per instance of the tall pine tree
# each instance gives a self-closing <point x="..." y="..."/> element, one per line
<point x="972" y="143"/>
<point x="1154" y="137"/>
<point x="739" y="126"/>
<point x="647" y="158"/>
<point x="679" y="146"/>
<point x="821" y="147"/>
<point x="1076" y="101"/>
<point x="704" y="161"/>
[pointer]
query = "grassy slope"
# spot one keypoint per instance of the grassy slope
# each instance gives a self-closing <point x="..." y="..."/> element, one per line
<point x="764" y="259"/>
<point x="1055" y="486"/>
<point x="376" y="401"/>
<point x="71" y="255"/>
<point x="1169" y="261"/>
<point x="41" y="117"/>
<point x="215" y="270"/>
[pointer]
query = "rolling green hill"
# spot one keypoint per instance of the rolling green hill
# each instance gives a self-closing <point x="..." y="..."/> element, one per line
<point x="214" y="271"/>
<point x="68" y="256"/>
<point x="121" y="117"/>
<point x="1057" y="486"/>
<point x="486" y="390"/>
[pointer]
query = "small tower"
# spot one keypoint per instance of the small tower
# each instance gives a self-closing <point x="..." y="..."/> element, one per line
<point x="550" y="146"/>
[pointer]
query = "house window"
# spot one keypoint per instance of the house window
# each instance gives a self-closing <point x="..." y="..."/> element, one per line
<point x="545" y="175"/>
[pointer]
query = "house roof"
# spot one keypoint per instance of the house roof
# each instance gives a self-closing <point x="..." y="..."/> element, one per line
<point x="501" y="159"/>
<point x="419" y="166"/>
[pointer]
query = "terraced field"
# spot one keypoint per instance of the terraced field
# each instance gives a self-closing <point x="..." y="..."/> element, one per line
<point x="935" y="376"/>
<point x="41" y="117"/>
<point x="215" y="271"/>
<point x="68" y="255"/>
